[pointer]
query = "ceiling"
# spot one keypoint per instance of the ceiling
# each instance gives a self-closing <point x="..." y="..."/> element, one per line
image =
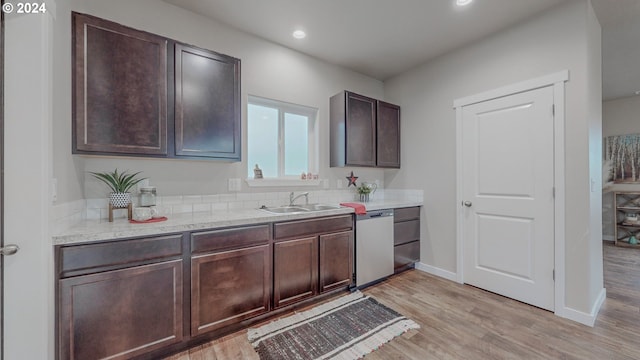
<point x="383" y="38"/>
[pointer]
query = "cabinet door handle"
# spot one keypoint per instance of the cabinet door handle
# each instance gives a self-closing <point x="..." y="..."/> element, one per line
<point x="9" y="250"/>
<point x="467" y="203"/>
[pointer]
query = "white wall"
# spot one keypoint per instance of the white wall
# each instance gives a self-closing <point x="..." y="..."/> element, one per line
<point x="28" y="275"/>
<point x="552" y="42"/>
<point x="268" y="70"/>
<point x="594" y="104"/>
<point x="620" y="116"/>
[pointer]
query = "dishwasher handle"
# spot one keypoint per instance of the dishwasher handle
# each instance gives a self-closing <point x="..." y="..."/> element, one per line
<point x="376" y="214"/>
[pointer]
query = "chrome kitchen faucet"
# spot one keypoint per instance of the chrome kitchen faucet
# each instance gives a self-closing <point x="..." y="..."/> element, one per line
<point x="292" y="198"/>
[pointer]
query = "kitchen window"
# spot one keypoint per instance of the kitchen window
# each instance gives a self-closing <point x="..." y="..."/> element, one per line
<point x="281" y="139"/>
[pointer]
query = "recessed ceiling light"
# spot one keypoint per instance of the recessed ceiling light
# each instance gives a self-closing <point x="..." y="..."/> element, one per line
<point x="638" y="92"/>
<point x="463" y="2"/>
<point x="299" y="34"/>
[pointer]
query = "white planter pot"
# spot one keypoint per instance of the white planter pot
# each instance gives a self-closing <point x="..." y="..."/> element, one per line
<point x="120" y="200"/>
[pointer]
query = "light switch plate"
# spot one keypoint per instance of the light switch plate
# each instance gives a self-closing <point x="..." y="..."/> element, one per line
<point x="54" y="190"/>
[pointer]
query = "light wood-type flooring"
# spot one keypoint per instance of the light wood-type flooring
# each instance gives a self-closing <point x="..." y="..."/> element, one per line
<point x="463" y="322"/>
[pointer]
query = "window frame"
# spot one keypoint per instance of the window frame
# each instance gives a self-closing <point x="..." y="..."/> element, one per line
<point x="312" y="134"/>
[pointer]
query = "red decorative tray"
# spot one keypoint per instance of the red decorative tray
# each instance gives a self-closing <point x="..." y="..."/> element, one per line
<point x="152" y="220"/>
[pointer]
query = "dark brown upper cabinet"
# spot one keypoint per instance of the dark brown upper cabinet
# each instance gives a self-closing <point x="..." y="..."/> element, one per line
<point x="139" y="94"/>
<point x="207" y="102"/>
<point x="364" y="132"/>
<point x="388" y="131"/>
<point x="120" y="89"/>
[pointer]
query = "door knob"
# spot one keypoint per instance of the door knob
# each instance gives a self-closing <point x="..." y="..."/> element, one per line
<point x="467" y="203"/>
<point x="9" y="250"/>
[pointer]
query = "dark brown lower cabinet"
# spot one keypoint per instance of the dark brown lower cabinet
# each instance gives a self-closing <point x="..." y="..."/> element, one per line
<point x="310" y="257"/>
<point x="122" y="313"/>
<point x="148" y="297"/>
<point x="228" y="287"/>
<point x="336" y="260"/>
<point x="295" y="270"/>
<point x="406" y="238"/>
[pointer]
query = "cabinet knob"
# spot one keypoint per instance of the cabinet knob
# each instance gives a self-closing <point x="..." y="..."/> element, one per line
<point x="467" y="203"/>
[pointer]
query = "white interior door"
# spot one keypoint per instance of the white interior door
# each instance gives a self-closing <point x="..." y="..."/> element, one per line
<point x="508" y="195"/>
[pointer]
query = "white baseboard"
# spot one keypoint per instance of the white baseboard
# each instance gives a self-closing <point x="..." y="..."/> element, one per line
<point x="582" y="317"/>
<point x="437" y="271"/>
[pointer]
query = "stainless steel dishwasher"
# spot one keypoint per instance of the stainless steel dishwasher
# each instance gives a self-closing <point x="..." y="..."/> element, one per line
<point x="374" y="246"/>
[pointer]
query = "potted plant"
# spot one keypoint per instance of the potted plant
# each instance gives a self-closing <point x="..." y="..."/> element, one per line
<point x="364" y="190"/>
<point x="120" y="183"/>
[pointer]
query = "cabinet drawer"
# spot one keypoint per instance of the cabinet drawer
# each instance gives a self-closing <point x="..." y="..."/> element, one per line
<point x="91" y="258"/>
<point x="230" y="238"/>
<point x="406" y="254"/>
<point x="313" y="226"/>
<point x="405" y="214"/>
<point x="406" y="231"/>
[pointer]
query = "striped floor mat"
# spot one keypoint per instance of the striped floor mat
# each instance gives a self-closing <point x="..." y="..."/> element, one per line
<point x="346" y="328"/>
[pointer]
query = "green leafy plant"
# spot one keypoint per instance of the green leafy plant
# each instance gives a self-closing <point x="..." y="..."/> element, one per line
<point x="363" y="189"/>
<point x="118" y="182"/>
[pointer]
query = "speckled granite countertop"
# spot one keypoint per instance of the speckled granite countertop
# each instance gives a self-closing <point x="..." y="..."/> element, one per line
<point x="98" y="230"/>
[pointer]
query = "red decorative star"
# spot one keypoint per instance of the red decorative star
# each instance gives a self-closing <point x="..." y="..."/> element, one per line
<point x="352" y="180"/>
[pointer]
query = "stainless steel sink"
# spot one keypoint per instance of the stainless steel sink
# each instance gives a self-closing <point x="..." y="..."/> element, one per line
<point x="319" y="207"/>
<point x="286" y="209"/>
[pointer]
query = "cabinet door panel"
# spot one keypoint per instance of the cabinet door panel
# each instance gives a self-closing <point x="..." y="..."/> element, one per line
<point x="360" y="130"/>
<point x="207" y="103"/>
<point x="404" y="214"/>
<point x="388" y="140"/>
<point x="406" y="231"/>
<point x="406" y="254"/>
<point x="228" y="287"/>
<point x="336" y="260"/>
<point x="120" y="314"/>
<point x="295" y="270"/>
<point x="120" y="89"/>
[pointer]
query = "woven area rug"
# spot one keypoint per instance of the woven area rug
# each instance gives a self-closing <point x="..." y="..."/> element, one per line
<point x="346" y="328"/>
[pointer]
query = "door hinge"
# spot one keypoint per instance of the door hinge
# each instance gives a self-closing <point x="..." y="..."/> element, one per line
<point x="553" y="192"/>
<point x="553" y="110"/>
<point x="553" y="274"/>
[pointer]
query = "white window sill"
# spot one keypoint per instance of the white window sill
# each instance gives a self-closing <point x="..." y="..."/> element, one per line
<point x="280" y="182"/>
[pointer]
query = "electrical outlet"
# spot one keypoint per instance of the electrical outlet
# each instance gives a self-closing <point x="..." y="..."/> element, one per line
<point x="325" y="183"/>
<point x="339" y="184"/>
<point x="234" y="185"/>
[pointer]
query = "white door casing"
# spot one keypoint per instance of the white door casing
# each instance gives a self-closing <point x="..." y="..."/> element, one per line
<point x="508" y="193"/>
<point x="512" y="236"/>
